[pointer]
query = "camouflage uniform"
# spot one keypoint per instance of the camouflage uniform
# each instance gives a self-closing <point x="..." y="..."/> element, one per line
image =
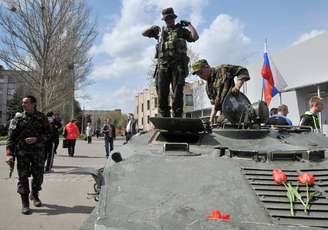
<point x="30" y="157"/>
<point x="221" y="82"/>
<point x="173" y="69"/>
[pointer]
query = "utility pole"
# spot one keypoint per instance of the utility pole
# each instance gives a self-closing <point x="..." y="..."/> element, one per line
<point x="71" y="73"/>
<point x="73" y="88"/>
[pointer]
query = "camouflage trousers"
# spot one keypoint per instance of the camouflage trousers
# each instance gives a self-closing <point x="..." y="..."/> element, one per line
<point x="30" y="163"/>
<point x="173" y="75"/>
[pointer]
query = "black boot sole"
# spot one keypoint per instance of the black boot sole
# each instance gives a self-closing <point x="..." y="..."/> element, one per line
<point x="26" y="211"/>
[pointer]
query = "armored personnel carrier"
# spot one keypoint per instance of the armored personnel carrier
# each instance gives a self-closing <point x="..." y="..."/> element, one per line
<point x="174" y="176"/>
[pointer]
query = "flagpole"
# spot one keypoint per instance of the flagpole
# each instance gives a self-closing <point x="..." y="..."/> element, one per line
<point x="280" y="99"/>
<point x="262" y="90"/>
<point x="265" y="49"/>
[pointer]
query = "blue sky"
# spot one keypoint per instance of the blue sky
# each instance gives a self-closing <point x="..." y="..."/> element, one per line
<point x="231" y="31"/>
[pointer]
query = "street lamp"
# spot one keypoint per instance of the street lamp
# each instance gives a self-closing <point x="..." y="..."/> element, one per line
<point x="82" y="125"/>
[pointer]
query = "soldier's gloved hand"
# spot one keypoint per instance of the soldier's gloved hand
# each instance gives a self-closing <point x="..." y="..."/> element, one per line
<point x="235" y="91"/>
<point x="184" y="23"/>
<point x="152" y="32"/>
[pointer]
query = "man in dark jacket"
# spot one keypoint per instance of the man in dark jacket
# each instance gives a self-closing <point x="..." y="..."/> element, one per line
<point x="52" y="143"/>
<point x="130" y="129"/>
<point x="27" y="135"/>
<point x="109" y="136"/>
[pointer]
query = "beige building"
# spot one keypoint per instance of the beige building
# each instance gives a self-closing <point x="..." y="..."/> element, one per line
<point x="146" y="105"/>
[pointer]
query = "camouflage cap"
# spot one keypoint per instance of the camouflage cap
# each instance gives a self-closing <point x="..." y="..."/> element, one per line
<point x="198" y="65"/>
<point x="167" y="13"/>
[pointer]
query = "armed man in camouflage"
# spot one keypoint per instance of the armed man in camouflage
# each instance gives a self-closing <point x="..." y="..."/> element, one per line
<point x="28" y="132"/>
<point x="220" y="81"/>
<point x="172" y="66"/>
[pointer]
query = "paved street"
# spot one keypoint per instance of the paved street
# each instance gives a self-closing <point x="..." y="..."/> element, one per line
<point x="65" y="201"/>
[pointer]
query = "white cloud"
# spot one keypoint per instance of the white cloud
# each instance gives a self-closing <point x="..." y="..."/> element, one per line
<point x="223" y="41"/>
<point x="307" y="36"/>
<point x="130" y="53"/>
<point x="121" y="98"/>
<point x="122" y="68"/>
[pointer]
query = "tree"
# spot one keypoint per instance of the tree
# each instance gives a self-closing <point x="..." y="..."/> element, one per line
<point x="48" y="41"/>
<point x="14" y="105"/>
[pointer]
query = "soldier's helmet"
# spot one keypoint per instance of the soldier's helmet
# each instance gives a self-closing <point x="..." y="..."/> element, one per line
<point x="168" y="13"/>
<point x="198" y="65"/>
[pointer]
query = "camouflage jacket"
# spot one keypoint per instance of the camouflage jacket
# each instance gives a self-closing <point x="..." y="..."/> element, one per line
<point x="221" y="81"/>
<point x="173" y="47"/>
<point x="25" y="125"/>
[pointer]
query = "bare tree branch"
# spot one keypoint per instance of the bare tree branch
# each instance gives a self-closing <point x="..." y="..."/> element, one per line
<point x="48" y="41"/>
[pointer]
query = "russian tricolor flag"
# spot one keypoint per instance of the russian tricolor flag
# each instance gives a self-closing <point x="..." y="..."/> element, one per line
<point x="273" y="82"/>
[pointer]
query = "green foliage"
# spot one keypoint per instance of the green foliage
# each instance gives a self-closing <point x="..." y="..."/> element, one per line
<point x="14" y="105"/>
<point x="3" y="138"/>
<point x="118" y="120"/>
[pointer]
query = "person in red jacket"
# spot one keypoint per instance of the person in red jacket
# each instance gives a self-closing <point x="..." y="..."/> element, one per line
<point x="71" y="132"/>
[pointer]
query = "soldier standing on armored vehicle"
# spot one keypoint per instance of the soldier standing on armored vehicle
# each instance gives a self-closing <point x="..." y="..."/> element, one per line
<point x="220" y="81"/>
<point x="172" y="66"/>
<point x="28" y="133"/>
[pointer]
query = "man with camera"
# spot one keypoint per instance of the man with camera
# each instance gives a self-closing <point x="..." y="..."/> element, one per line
<point x="172" y="65"/>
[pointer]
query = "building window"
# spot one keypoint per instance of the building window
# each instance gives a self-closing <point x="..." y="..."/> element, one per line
<point x="142" y="122"/>
<point x="148" y="104"/>
<point x="188" y="100"/>
<point x="156" y="115"/>
<point x="11" y="92"/>
<point x="156" y="102"/>
<point x="148" y="119"/>
<point x="2" y="79"/>
<point x="142" y="107"/>
<point x="12" y="79"/>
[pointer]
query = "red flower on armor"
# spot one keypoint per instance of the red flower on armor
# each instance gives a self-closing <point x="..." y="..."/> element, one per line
<point x="216" y="215"/>
<point x="306" y="178"/>
<point x="279" y="176"/>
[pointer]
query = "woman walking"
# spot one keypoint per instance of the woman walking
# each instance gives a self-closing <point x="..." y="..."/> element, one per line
<point x="71" y="132"/>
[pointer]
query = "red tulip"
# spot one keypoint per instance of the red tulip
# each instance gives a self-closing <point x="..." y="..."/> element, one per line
<point x="216" y="215"/>
<point x="225" y="217"/>
<point x="306" y="178"/>
<point x="279" y="176"/>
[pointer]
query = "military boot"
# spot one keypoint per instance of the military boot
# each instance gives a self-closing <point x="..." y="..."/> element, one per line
<point x="34" y="196"/>
<point x="25" y="205"/>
